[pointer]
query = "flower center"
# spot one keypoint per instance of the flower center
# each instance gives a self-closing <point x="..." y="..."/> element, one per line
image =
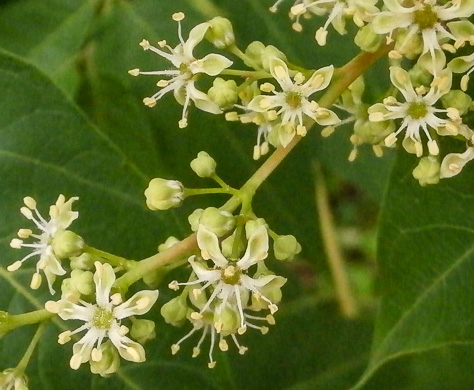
<point x="102" y="318"/>
<point x="231" y="275"/>
<point x="417" y="110"/>
<point x="426" y="17"/>
<point x="293" y="99"/>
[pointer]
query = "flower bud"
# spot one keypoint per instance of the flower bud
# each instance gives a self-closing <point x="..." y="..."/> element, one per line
<point x="271" y="291"/>
<point x="261" y="54"/>
<point x="220" y="32"/>
<point x="143" y="331"/>
<point x="10" y="379"/>
<point x="253" y="225"/>
<point x="427" y="171"/>
<point x="203" y="165"/>
<point x="457" y="99"/>
<point x="373" y="132"/>
<point x="174" y="311"/>
<point x="286" y="247"/>
<point x="227" y="320"/>
<point x="217" y="221"/>
<point x="223" y="92"/>
<point x="163" y="194"/>
<point x="67" y="244"/>
<point x="109" y="363"/>
<point x="367" y="39"/>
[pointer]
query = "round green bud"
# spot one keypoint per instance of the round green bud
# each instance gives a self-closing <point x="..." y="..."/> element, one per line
<point x="457" y="99"/>
<point x="420" y="76"/>
<point x="227" y="320"/>
<point x="411" y="47"/>
<point x="249" y="92"/>
<point x="203" y="165"/>
<point x="223" y="92"/>
<point x="373" y="132"/>
<point x="217" y="221"/>
<point x="220" y="33"/>
<point x="163" y="194"/>
<point x="109" y="363"/>
<point x="286" y="247"/>
<point x="427" y="171"/>
<point x="83" y="281"/>
<point x="143" y="331"/>
<point x="367" y="39"/>
<point x="67" y="244"/>
<point x="260" y="55"/>
<point x="227" y="245"/>
<point x="174" y="311"/>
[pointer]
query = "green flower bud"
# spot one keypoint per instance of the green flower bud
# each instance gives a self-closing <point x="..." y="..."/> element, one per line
<point x="203" y="165"/>
<point x="367" y="39"/>
<point x="227" y="245"/>
<point x="427" y="171"/>
<point x="84" y="262"/>
<point x="174" y="312"/>
<point x="220" y="32"/>
<point x="260" y="55"/>
<point x="420" y="76"/>
<point x="109" y="363"/>
<point x="143" y="331"/>
<point x="249" y="92"/>
<point x="67" y="244"/>
<point x="83" y="281"/>
<point x="457" y="99"/>
<point x="227" y="320"/>
<point x="411" y="47"/>
<point x="217" y="221"/>
<point x="286" y="247"/>
<point x="373" y="132"/>
<point x="163" y="194"/>
<point x="223" y="92"/>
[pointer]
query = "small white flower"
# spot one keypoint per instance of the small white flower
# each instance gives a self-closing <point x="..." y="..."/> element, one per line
<point x="102" y="319"/>
<point x="418" y="111"/>
<point x="229" y="280"/>
<point x="293" y="102"/>
<point x="182" y="78"/>
<point x="425" y="19"/>
<point x="61" y="216"/>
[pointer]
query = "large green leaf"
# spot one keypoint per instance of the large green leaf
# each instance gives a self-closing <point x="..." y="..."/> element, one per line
<point x="426" y="253"/>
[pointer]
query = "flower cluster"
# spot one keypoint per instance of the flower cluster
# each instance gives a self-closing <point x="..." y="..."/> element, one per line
<point x="281" y="105"/>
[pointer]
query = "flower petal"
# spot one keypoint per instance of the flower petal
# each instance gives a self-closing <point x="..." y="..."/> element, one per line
<point x="209" y="245"/>
<point x="138" y="304"/>
<point x="212" y="64"/>
<point x="104" y="278"/>
<point x="257" y="248"/>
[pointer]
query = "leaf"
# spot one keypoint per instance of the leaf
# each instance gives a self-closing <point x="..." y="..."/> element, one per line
<point x="426" y="253"/>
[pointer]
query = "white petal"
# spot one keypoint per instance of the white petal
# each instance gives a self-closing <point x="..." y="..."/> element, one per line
<point x="257" y="248"/>
<point x="209" y="245"/>
<point x="138" y="304"/>
<point x="104" y="278"/>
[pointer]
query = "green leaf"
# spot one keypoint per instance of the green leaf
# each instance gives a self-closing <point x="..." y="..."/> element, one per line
<point x="426" y="255"/>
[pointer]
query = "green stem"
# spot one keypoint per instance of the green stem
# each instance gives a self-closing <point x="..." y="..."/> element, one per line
<point x="342" y="79"/>
<point x="206" y="191"/>
<point x="12" y="322"/>
<point x="21" y="367"/>
<point x="116" y="261"/>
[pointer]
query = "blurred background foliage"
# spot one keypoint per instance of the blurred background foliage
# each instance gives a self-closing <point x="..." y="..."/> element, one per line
<point x="72" y="121"/>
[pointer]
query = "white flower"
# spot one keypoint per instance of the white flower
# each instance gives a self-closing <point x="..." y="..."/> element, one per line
<point x="338" y="10"/>
<point x="418" y="111"/>
<point x="425" y="18"/>
<point x="229" y="279"/>
<point x="61" y="216"/>
<point x="187" y="68"/>
<point x="293" y="102"/>
<point x="102" y="319"/>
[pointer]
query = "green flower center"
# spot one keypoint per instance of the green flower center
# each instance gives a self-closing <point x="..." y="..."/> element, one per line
<point x="417" y="110"/>
<point x="293" y="99"/>
<point x="426" y="17"/>
<point x="102" y="318"/>
<point x="231" y="275"/>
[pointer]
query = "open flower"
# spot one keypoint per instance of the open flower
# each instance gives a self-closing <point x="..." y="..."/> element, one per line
<point x="417" y="112"/>
<point x="423" y="19"/>
<point x="293" y="102"/>
<point x="229" y="279"/>
<point x="102" y="319"/>
<point x="182" y="78"/>
<point x="61" y="216"/>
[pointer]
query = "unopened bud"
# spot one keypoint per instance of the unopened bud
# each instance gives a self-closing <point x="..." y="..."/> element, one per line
<point x="109" y="362"/>
<point x="203" y="165"/>
<point x="286" y="247"/>
<point x="427" y="171"/>
<point x="457" y="99"/>
<point x="67" y="244"/>
<point x="174" y="312"/>
<point x="220" y="32"/>
<point x="143" y="331"/>
<point x="163" y="194"/>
